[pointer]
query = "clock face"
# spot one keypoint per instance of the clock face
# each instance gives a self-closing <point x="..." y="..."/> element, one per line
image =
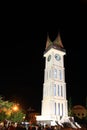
<point x="57" y="57"/>
<point x="49" y="58"/>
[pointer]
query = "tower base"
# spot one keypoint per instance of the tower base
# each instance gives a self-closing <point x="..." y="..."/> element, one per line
<point x="53" y="121"/>
<point x="50" y="120"/>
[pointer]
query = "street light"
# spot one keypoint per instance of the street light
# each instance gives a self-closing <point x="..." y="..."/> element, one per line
<point x="15" y="108"/>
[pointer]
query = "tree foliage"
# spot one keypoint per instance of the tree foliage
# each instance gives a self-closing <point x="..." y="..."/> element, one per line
<point x="2" y="116"/>
<point x="70" y="107"/>
<point x="8" y="112"/>
<point x="17" y="116"/>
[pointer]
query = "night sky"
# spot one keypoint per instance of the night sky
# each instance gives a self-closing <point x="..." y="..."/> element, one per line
<point x="22" y="44"/>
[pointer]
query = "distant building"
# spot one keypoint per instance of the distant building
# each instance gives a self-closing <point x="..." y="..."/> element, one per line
<point x="79" y="111"/>
<point x="54" y="102"/>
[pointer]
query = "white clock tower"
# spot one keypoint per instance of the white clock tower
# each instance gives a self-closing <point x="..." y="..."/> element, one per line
<point x="54" y="102"/>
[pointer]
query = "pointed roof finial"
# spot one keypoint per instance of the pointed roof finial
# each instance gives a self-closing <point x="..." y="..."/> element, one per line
<point x="48" y="42"/>
<point x="58" y="41"/>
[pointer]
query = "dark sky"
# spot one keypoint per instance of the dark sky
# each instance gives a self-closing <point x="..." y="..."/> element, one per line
<point x="22" y="44"/>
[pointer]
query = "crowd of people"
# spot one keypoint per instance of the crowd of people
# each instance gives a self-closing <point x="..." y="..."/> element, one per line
<point x="16" y="126"/>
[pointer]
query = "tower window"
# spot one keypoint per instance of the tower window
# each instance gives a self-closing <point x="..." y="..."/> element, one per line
<point x="54" y="89"/>
<point x="60" y="74"/>
<point x="62" y="109"/>
<point x="58" y="90"/>
<point x="58" y="108"/>
<point x="61" y="91"/>
<point x="55" y="108"/>
<point x="55" y="73"/>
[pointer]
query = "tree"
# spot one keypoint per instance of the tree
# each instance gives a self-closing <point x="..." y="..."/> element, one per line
<point x="10" y="111"/>
<point x="17" y="116"/>
<point x="70" y="107"/>
<point x="2" y="116"/>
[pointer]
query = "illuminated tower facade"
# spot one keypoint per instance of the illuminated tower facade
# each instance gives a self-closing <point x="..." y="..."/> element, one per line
<point x="54" y="102"/>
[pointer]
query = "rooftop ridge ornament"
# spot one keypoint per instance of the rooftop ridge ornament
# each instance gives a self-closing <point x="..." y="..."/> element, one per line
<point x="48" y="42"/>
<point x="58" y="41"/>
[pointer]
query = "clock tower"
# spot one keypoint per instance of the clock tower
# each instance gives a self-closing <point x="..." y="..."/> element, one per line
<point x="54" y="102"/>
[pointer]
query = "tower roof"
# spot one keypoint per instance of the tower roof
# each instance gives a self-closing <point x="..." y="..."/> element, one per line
<point x="57" y="43"/>
<point x="48" y="42"/>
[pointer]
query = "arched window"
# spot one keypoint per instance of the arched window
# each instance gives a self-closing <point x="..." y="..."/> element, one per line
<point x="54" y="89"/>
<point x="60" y="74"/>
<point x="55" y="108"/>
<point x="61" y="90"/>
<point x="62" y="109"/>
<point x="58" y="90"/>
<point x="58" y="108"/>
<point x="55" y="73"/>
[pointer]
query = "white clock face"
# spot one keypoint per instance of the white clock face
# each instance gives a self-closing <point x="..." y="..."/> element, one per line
<point x="57" y="57"/>
<point x="49" y="58"/>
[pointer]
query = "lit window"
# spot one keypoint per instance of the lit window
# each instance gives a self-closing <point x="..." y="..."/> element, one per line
<point x="55" y="73"/>
<point x="61" y="91"/>
<point x="60" y="74"/>
<point x="54" y="89"/>
<point x="62" y="109"/>
<point x="58" y="108"/>
<point x="55" y="108"/>
<point x="58" y="90"/>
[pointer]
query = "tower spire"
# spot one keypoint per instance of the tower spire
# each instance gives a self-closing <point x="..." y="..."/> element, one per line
<point x="58" y="41"/>
<point x="48" y="42"/>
